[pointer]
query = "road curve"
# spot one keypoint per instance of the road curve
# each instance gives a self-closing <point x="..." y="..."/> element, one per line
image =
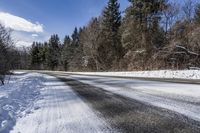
<point x="140" y="105"/>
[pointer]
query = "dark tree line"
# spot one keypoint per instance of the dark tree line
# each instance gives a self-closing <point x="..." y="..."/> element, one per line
<point x="151" y="34"/>
<point x="143" y="39"/>
<point x="96" y="46"/>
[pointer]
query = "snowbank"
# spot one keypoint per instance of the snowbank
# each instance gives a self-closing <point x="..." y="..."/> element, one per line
<point x="171" y="74"/>
<point x="17" y="98"/>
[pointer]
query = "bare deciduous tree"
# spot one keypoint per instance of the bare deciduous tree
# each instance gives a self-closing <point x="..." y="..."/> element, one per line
<point x="170" y="16"/>
<point x="90" y="40"/>
<point x="5" y="52"/>
<point x="188" y="10"/>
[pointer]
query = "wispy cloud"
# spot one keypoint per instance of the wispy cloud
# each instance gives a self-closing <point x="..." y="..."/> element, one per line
<point x="19" y="23"/>
<point x="34" y="35"/>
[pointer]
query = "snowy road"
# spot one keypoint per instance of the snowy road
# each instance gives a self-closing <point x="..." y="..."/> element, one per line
<point x="57" y="109"/>
<point x="181" y="100"/>
<point x="38" y="103"/>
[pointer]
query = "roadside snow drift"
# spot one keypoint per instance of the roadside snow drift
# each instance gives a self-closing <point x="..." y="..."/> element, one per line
<point x="171" y="74"/>
<point x="17" y="98"/>
<point x="37" y="103"/>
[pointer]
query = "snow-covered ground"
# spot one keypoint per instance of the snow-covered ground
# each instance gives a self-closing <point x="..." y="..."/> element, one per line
<point x="17" y="98"/>
<point x="180" y="98"/>
<point x="174" y="74"/>
<point x="37" y="103"/>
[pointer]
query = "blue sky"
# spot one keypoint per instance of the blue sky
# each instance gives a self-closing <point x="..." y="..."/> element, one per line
<point x="36" y="20"/>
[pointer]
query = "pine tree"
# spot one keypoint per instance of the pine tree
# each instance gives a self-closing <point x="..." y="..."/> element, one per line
<point x="35" y="56"/>
<point x="43" y="54"/>
<point x="110" y="49"/>
<point x="67" y="52"/>
<point x="112" y="16"/>
<point x="147" y="14"/>
<point x="72" y="51"/>
<point x="67" y="41"/>
<point x="77" y="51"/>
<point x="53" y="56"/>
<point x="142" y="34"/>
<point x="75" y="37"/>
<point x="143" y="9"/>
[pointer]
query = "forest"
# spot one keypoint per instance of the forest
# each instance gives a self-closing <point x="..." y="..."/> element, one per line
<point x="148" y="35"/>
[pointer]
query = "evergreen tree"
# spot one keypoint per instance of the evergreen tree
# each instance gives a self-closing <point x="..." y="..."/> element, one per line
<point x="39" y="55"/>
<point x="110" y="49"/>
<point x="146" y="10"/>
<point x="141" y="32"/>
<point x="67" y="41"/>
<point x="43" y="54"/>
<point x="67" y="52"/>
<point x="112" y="16"/>
<point x="147" y="13"/>
<point x="75" y="37"/>
<point x="53" y="56"/>
<point x="35" y="56"/>
<point x="77" y="51"/>
<point x="71" y="51"/>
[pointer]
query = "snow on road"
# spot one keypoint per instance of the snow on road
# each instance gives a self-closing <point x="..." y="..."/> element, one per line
<point x="37" y="103"/>
<point x="181" y="98"/>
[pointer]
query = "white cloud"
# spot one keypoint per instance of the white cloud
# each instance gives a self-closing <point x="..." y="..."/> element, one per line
<point x="34" y="35"/>
<point x="24" y="32"/>
<point x="19" y="24"/>
<point x="25" y="39"/>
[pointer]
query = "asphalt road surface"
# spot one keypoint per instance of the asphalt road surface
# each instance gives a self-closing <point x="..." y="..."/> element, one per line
<point x="140" y="106"/>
